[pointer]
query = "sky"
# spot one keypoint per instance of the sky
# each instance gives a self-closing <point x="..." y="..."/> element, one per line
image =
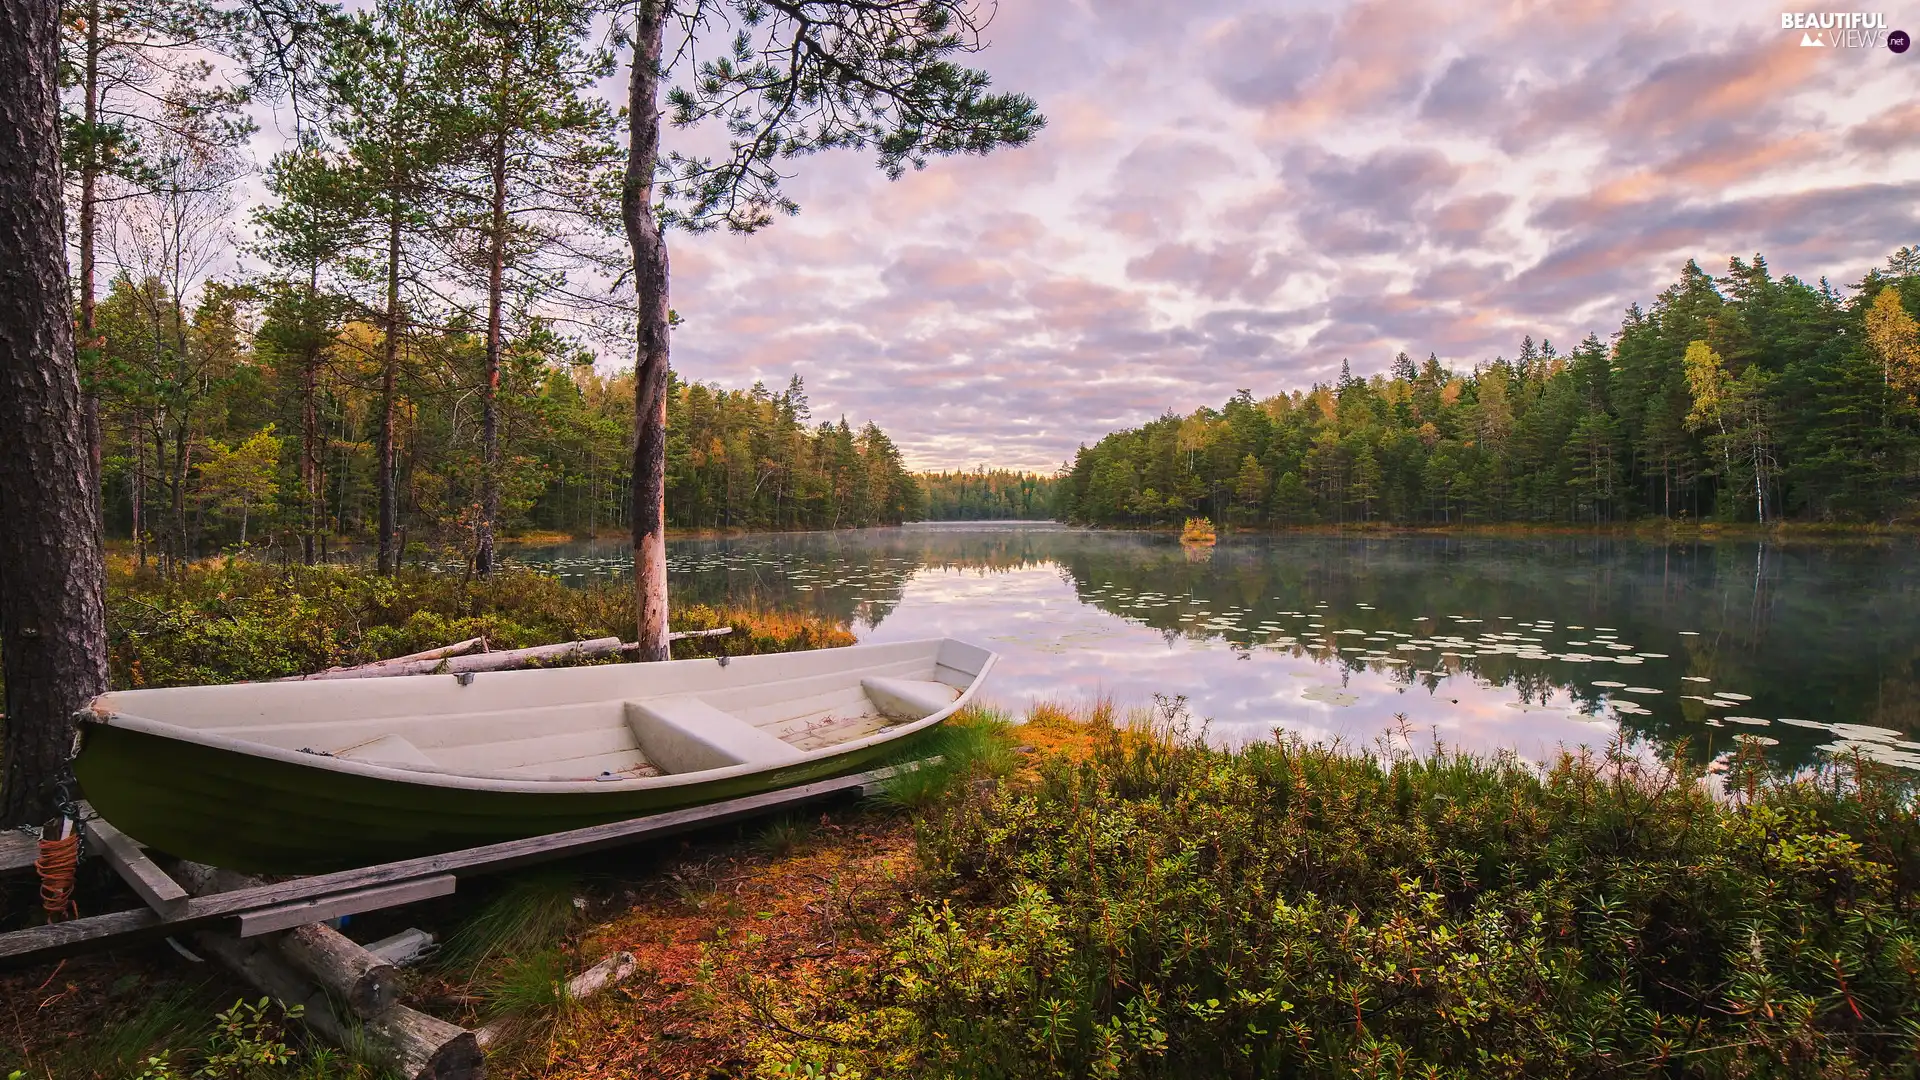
<point x="1241" y="195"/>
<point x="1237" y="194"/>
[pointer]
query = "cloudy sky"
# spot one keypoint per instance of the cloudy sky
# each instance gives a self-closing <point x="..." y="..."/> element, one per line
<point x="1243" y="194"/>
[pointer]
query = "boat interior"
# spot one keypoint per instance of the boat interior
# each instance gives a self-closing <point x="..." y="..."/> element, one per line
<point x="610" y="722"/>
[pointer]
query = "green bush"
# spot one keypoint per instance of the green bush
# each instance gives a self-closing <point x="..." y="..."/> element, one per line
<point x="1164" y="909"/>
<point x="238" y="620"/>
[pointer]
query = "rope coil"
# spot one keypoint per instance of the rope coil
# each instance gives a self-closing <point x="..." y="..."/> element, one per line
<point x="59" y="867"/>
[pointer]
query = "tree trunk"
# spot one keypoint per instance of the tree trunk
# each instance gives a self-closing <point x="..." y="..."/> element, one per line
<point x="650" y="289"/>
<point x="139" y="489"/>
<point x="490" y="393"/>
<point x="52" y="610"/>
<point x="309" y="458"/>
<point x="182" y="459"/>
<point x="309" y="421"/>
<point x="89" y="208"/>
<point x="390" y="362"/>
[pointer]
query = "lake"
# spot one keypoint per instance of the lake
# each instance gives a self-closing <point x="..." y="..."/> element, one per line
<point x="1526" y="644"/>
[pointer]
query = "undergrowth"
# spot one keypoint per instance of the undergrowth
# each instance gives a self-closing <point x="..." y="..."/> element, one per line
<point x="972" y="745"/>
<point x="179" y="1032"/>
<point x="237" y="620"/>
<point x="1159" y="908"/>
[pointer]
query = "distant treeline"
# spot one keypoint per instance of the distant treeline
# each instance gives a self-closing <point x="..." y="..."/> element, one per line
<point x="230" y="424"/>
<point x="750" y="459"/>
<point x="982" y="495"/>
<point x="1741" y="398"/>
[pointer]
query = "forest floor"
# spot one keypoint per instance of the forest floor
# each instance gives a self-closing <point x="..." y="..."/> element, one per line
<point x="1076" y="895"/>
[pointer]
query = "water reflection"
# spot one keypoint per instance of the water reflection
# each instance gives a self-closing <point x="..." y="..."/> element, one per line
<point x="1525" y="644"/>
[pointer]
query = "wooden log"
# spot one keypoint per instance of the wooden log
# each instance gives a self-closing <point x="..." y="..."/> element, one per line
<point x="492" y="661"/>
<point x="678" y="635"/>
<point x="440" y="653"/>
<point x="612" y="971"/>
<point x="369" y="985"/>
<point x="438" y="662"/>
<point x="372" y="986"/>
<point x="410" y="1043"/>
<point x="443" y="651"/>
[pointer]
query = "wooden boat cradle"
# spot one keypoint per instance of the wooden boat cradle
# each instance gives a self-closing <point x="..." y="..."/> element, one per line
<point x="350" y="991"/>
<point x="298" y="901"/>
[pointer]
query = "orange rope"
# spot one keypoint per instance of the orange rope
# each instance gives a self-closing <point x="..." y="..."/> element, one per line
<point x="59" y="865"/>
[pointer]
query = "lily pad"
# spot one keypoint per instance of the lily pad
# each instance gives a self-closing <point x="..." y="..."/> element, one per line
<point x="1331" y="695"/>
<point x="1867" y="732"/>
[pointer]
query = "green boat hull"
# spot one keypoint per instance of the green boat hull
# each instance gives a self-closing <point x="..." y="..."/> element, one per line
<point x="265" y="816"/>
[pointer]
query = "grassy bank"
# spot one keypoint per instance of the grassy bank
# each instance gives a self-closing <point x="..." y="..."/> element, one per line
<point x="1148" y="907"/>
<point x="232" y="620"/>
<point x="1068" y="897"/>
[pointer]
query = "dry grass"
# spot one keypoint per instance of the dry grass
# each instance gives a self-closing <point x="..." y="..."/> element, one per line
<point x="728" y="943"/>
<point x="746" y="953"/>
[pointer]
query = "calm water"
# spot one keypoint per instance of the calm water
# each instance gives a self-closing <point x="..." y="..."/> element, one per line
<point x="1486" y="644"/>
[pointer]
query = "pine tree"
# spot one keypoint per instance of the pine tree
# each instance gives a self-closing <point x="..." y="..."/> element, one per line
<point x="389" y="113"/>
<point x="839" y="73"/>
<point x="533" y="160"/>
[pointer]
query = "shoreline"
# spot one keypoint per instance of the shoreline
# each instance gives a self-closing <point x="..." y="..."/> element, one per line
<point x="1661" y="530"/>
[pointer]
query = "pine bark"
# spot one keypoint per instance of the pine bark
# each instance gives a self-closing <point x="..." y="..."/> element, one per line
<point x="52" y="608"/>
<point x="89" y="230"/>
<point x="650" y="288"/>
<point x="389" y="368"/>
<point x="310" y="439"/>
<point x="490" y="393"/>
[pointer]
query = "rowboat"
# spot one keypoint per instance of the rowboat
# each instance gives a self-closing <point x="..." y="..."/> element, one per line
<point x="307" y="777"/>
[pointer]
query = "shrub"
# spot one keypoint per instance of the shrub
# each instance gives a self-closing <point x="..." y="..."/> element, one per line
<point x="238" y="620"/>
<point x="1162" y="908"/>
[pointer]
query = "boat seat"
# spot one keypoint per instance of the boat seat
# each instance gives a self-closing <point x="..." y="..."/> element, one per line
<point x="909" y="699"/>
<point x="685" y="734"/>
<point x="389" y="750"/>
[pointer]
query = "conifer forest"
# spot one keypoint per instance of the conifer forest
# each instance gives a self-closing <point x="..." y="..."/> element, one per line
<point x="1740" y="398"/>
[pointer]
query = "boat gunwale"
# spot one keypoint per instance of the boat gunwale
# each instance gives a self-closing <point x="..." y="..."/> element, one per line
<point x="470" y="782"/>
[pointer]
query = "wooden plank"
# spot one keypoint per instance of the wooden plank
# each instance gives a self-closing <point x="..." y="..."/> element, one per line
<point x="61" y="939"/>
<point x="52" y="940"/>
<point x="161" y="893"/>
<point x="18" y="850"/>
<point x="322" y="908"/>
